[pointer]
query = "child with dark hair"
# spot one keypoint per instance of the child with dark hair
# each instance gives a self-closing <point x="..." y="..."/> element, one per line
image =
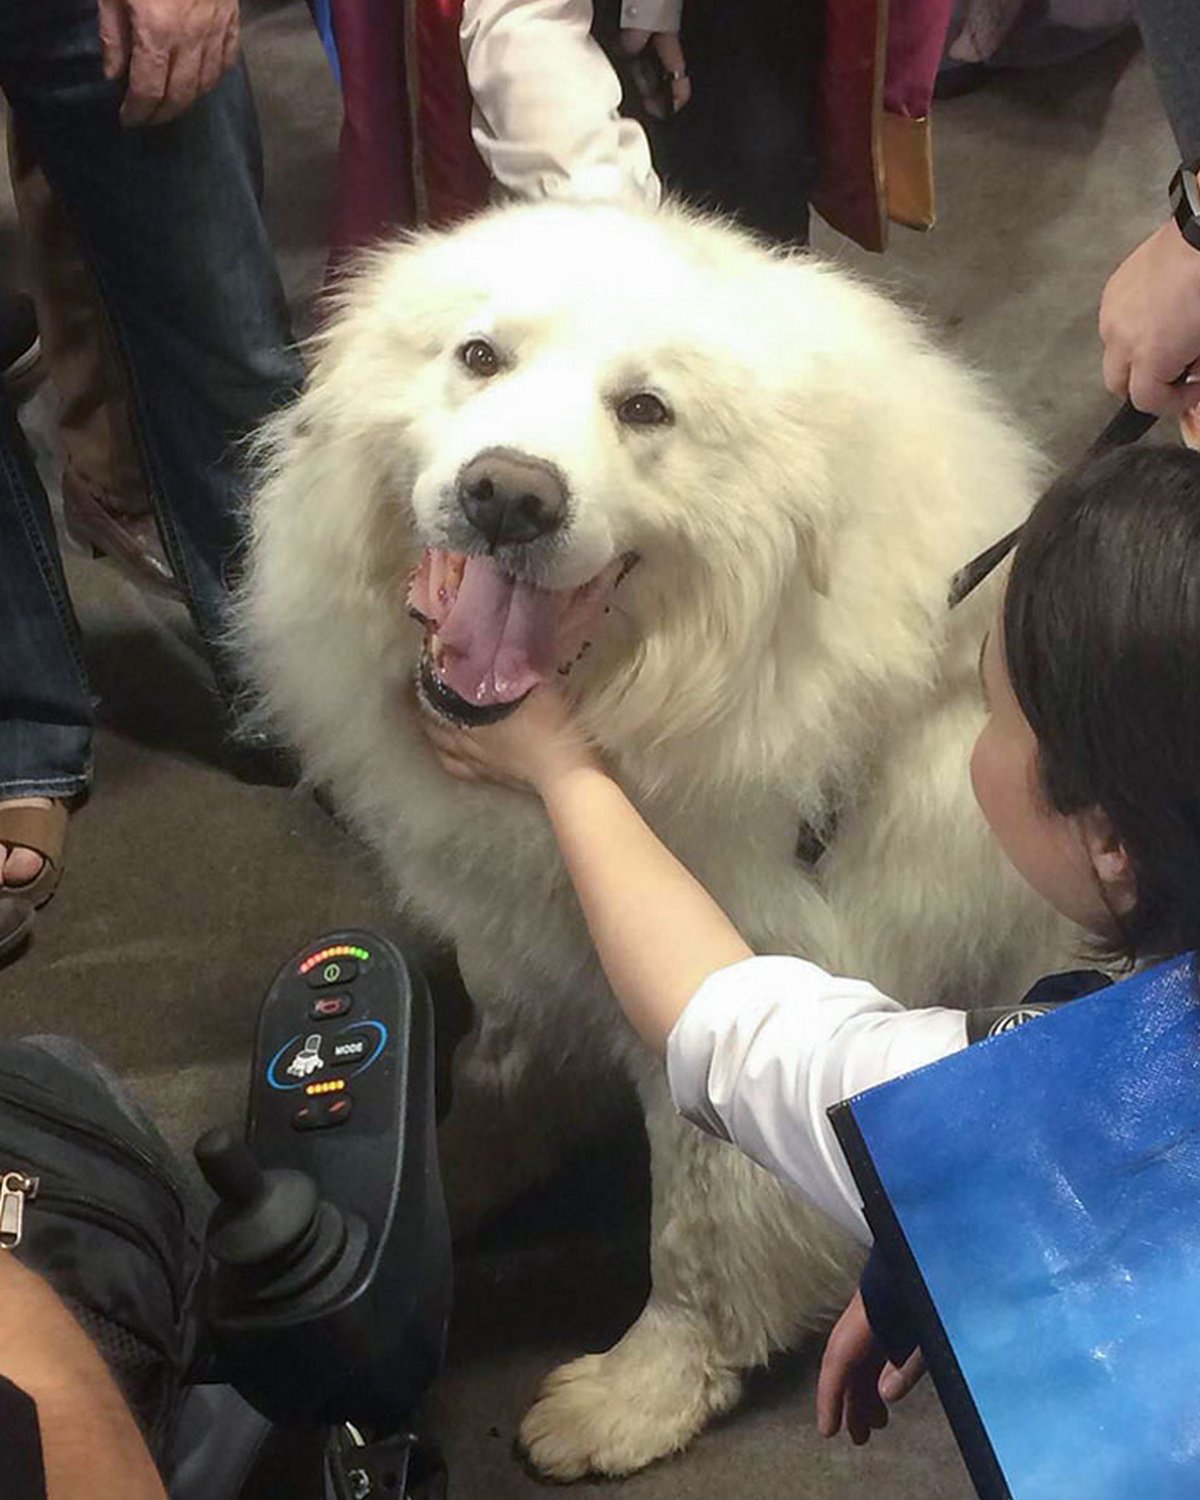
<point x="1087" y="770"/>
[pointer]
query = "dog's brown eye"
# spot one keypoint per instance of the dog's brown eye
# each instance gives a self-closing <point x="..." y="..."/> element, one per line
<point x="643" y="410"/>
<point x="480" y="358"/>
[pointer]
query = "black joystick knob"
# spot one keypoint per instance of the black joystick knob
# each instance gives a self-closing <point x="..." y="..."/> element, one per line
<point x="229" y="1168"/>
<point x="272" y="1232"/>
<point x="263" y="1215"/>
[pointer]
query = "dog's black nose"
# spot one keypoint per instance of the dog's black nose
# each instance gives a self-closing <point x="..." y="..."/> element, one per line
<point x="510" y="497"/>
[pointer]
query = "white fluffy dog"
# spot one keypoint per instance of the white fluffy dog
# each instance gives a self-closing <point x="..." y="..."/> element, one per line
<point x="745" y="481"/>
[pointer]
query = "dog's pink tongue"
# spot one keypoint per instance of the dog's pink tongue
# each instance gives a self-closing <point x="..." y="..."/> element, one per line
<point x="498" y="639"/>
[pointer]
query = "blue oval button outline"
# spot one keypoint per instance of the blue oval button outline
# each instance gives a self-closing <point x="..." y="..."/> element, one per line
<point x="381" y="1033"/>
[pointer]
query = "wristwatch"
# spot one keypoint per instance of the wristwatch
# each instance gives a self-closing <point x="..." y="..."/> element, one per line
<point x="1185" y="201"/>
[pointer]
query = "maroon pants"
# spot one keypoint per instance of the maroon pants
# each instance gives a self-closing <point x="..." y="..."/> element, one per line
<point x="405" y="155"/>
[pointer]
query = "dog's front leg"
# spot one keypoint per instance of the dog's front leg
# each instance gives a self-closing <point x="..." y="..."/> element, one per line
<point x="520" y="1098"/>
<point x="740" y="1267"/>
<point x="493" y="1143"/>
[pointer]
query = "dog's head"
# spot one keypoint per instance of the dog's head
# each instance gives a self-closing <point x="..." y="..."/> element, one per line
<point x="568" y="427"/>
<point x="580" y="414"/>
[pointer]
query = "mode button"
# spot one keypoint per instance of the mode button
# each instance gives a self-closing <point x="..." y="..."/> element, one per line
<point x="350" y="1047"/>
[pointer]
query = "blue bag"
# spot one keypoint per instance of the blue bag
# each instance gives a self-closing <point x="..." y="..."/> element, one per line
<point x="1037" y="1197"/>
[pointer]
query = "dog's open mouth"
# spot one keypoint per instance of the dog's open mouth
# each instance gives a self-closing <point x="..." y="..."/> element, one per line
<point x="491" y="638"/>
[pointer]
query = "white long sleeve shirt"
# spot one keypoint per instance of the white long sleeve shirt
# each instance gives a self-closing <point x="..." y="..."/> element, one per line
<point x="545" y="118"/>
<point x="765" y="1046"/>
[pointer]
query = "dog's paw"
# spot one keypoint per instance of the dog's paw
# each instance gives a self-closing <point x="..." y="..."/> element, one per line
<point x="615" y="1413"/>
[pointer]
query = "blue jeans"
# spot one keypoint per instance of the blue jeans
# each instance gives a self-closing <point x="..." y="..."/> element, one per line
<point x="169" y="218"/>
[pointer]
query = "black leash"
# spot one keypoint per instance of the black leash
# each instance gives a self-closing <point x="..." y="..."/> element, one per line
<point x="1126" y="427"/>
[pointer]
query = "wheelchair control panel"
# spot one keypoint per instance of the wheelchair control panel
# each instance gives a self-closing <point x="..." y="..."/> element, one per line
<point x="328" y="1284"/>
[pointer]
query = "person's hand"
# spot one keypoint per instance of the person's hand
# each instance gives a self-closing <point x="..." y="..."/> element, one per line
<point x="535" y="744"/>
<point x="667" y="68"/>
<point x="858" y="1382"/>
<point x="848" y="1385"/>
<point x="170" y="51"/>
<point x="1150" y="324"/>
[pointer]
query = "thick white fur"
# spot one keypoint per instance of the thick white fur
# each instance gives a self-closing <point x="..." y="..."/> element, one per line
<point x="783" y="651"/>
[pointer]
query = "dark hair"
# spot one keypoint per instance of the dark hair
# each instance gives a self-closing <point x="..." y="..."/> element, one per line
<point x="1102" y="644"/>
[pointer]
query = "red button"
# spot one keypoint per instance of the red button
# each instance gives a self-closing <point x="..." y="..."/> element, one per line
<point x="326" y="1007"/>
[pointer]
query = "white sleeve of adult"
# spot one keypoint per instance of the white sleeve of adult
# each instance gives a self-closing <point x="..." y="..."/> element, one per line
<point x="545" y="117"/>
<point x="653" y="15"/>
<point x="765" y="1046"/>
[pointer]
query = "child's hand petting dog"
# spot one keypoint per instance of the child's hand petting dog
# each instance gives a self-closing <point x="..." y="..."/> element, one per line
<point x="857" y="1382"/>
<point x="535" y="745"/>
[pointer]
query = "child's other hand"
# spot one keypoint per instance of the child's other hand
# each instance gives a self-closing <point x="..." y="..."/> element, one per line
<point x="857" y="1382"/>
<point x="535" y="744"/>
<point x="847" y="1387"/>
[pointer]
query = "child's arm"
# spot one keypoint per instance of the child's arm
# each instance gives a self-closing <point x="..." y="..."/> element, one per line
<point x="658" y="932"/>
<point x="757" y="1048"/>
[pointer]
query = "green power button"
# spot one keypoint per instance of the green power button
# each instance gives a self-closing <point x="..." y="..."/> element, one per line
<point x="336" y="971"/>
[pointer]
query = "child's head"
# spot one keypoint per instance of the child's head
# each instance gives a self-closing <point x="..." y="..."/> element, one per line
<point x="1088" y="768"/>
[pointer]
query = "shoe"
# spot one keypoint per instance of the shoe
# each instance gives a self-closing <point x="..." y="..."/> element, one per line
<point x="16" y="923"/>
<point x="20" y="345"/>
<point x="44" y="830"/>
<point x="131" y="542"/>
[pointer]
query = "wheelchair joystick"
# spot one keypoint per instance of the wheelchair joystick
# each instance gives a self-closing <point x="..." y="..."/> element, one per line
<point x="270" y="1229"/>
<point x="328" y="1280"/>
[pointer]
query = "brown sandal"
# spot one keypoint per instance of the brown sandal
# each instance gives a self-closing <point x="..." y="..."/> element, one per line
<point x="44" y="830"/>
